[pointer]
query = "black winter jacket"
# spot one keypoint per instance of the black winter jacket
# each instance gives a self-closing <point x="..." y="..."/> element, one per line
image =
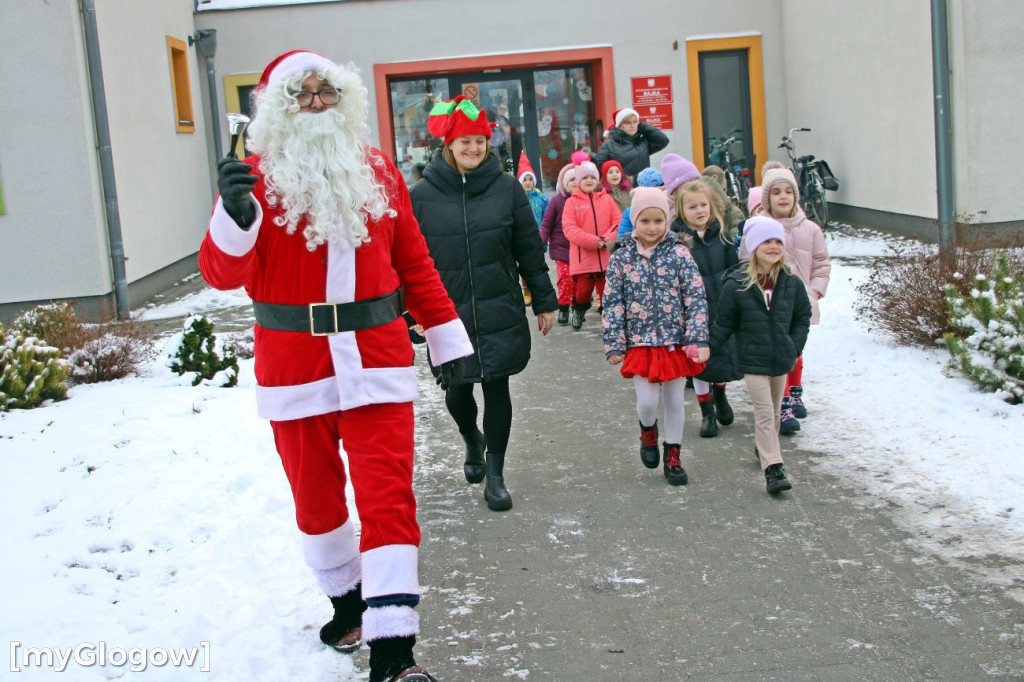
<point x="482" y="236"/>
<point x="713" y="257"/>
<point x="632" y="151"/>
<point x="768" y="340"/>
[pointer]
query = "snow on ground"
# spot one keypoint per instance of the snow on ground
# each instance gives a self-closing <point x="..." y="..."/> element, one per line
<point x="150" y="513"/>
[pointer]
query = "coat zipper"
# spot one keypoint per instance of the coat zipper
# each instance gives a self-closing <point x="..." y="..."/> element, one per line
<point x="472" y="285"/>
<point x="597" y="233"/>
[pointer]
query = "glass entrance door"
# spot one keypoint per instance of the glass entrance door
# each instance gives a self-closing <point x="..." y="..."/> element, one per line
<point x="725" y="102"/>
<point x="503" y="100"/>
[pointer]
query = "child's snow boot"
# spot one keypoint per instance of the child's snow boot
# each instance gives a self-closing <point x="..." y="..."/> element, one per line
<point x="649" y="453"/>
<point x="579" y="314"/>
<point x="473" y="467"/>
<point x="343" y="633"/>
<point x="723" y="410"/>
<point x="674" y="471"/>
<point x="796" y="401"/>
<point x="708" y="425"/>
<point x="775" y="479"/>
<point x="563" y="314"/>
<point x="787" y="421"/>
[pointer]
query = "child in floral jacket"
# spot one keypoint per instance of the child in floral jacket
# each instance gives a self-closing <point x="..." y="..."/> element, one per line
<point x="656" y="324"/>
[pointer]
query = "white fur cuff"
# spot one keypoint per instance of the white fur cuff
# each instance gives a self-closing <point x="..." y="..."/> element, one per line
<point x="229" y="237"/>
<point x="390" y="621"/>
<point x="341" y="580"/>
<point x="448" y="341"/>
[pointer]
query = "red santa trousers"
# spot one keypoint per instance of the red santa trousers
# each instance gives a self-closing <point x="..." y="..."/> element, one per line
<point x="379" y="442"/>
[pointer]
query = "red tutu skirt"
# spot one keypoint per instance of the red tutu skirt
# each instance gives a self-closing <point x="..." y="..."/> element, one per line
<point x="658" y="363"/>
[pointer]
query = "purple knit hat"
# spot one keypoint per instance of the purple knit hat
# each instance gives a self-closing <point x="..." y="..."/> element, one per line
<point x="676" y="170"/>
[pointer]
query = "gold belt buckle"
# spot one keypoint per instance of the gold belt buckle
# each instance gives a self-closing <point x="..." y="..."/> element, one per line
<point x="312" y="323"/>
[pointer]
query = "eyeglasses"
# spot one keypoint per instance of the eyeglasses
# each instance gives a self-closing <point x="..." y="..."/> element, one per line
<point x="327" y="97"/>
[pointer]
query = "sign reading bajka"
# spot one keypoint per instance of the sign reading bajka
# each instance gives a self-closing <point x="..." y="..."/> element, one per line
<point x="652" y="98"/>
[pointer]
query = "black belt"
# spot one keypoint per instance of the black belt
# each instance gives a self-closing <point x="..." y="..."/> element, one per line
<point x="324" y="319"/>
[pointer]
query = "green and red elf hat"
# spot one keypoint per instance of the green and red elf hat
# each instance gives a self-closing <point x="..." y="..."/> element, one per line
<point x="458" y="117"/>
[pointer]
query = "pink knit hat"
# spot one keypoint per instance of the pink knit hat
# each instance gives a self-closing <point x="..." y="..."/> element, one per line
<point x="586" y="170"/>
<point x="647" y="197"/>
<point x="774" y="177"/>
<point x="754" y="199"/>
<point x="676" y="170"/>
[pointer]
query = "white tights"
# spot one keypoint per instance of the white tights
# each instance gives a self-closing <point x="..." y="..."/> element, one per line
<point x="675" y="404"/>
<point x="701" y="387"/>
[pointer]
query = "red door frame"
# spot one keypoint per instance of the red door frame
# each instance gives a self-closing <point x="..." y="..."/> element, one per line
<point x="599" y="58"/>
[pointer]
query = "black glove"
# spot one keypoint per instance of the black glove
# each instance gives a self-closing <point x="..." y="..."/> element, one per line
<point x="235" y="183"/>
<point x="449" y="372"/>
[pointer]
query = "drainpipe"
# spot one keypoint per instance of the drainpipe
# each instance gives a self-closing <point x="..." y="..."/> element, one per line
<point x="205" y="41"/>
<point x="943" y="130"/>
<point x="106" y="158"/>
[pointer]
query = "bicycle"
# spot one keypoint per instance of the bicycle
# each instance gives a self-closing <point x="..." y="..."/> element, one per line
<point x="813" y="177"/>
<point x="737" y="176"/>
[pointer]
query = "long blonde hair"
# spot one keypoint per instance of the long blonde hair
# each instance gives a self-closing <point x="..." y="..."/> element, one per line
<point x="715" y="201"/>
<point x="752" y="273"/>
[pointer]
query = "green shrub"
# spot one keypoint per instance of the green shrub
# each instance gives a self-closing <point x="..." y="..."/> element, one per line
<point x="55" y="323"/>
<point x="30" y="371"/>
<point x="196" y="352"/>
<point x="987" y="341"/>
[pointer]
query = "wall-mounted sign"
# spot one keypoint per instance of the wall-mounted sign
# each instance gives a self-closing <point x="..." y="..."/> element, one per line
<point x="652" y="98"/>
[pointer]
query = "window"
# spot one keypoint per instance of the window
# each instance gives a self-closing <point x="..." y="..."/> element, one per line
<point x="181" y="86"/>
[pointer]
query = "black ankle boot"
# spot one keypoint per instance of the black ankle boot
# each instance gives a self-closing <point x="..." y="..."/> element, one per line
<point x="708" y="425"/>
<point x="343" y="633"/>
<point x="390" y="656"/>
<point x="495" y="494"/>
<point x="579" y="314"/>
<point x="563" y="314"/>
<point x="722" y="406"/>
<point x="674" y="472"/>
<point x="473" y="467"/>
<point x="649" y="453"/>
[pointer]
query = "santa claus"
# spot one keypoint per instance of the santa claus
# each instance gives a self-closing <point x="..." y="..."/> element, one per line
<point x="317" y="226"/>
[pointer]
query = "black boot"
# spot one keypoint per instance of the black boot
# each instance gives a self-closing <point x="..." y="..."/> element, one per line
<point x="722" y="406"/>
<point x="563" y="314"/>
<point x="708" y="425"/>
<point x="474" y="464"/>
<point x="495" y="494"/>
<point x="649" y="453"/>
<point x="343" y="633"/>
<point x="775" y="479"/>
<point x="579" y="314"/>
<point x="674" y="472"/>
<point x="391" y="656"/>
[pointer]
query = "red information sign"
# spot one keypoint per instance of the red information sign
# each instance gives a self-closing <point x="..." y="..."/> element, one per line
<point x="651" y="90"/>
<point x="658" y="115"/>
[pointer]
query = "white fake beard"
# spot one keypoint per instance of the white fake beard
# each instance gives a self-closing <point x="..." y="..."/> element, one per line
<point x="317" y="169"/>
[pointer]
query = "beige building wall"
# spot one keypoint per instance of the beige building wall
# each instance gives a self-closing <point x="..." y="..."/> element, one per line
<point x="987" y="83"/>
<point x="651" y="41"/>
<point x="859" y="74"/>
<point x="52" y="237"/>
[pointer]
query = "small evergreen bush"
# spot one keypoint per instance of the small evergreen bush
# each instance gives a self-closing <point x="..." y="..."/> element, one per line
<point x="987" y="341"/>
<point x="197" y="352"/>
<point x="31" y="372"/>
<point x="96" y="352"/>
<point x="904" y="295"/>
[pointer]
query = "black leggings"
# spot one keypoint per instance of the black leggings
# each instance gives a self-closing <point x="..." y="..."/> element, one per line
<point x="497" y="411"/>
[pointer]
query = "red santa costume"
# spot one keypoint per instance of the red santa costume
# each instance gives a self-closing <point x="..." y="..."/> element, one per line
<point x="353" y="386"/>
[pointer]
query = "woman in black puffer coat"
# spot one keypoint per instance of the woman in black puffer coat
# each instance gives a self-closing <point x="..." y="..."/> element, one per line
<point x="631" y="142"/>
<point x="483" y="237"/>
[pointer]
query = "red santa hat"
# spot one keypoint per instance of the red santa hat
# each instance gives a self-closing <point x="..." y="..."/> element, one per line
<point x="458" y="117"/>
<point x="291" y="63"/>
<point x="525" y="168"/>
<point x="620" y="115"/>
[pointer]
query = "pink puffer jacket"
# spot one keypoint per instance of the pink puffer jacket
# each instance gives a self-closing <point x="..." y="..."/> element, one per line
<point x="587" y="218"/>
<point x="807" y="256"/>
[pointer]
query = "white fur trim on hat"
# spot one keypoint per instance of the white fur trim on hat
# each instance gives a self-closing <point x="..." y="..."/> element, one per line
<point x="297" y="63"/>
<point x="621" y="115"/>
<point x="524" y="174"/>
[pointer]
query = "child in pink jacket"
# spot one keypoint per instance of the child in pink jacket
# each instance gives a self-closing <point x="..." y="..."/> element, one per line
<point x="590" y="221"/>
<point x="807" y="256"/>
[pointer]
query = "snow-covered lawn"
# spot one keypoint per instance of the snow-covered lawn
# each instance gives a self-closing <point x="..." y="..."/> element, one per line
<point x="150" y="513"/>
